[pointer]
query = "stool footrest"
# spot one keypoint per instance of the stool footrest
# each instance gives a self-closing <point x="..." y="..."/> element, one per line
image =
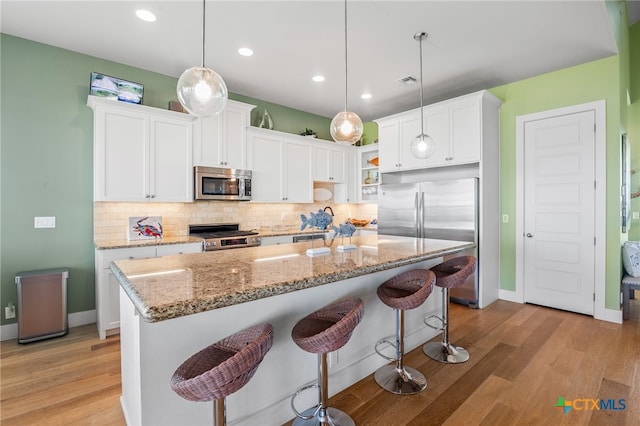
<point x="315" y="408"/>
<point x="429" y="323"/>
<point x="393" y="345"/>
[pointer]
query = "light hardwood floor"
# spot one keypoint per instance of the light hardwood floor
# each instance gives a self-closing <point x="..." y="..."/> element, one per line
<point x="523" y="357"/>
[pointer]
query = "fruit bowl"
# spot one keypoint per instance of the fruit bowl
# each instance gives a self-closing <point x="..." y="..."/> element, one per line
<point x="359" y="222"/>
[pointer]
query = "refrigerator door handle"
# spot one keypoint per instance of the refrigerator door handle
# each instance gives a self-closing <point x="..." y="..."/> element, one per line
<point x="416" y="214"/>
<point x="421" y="219"/>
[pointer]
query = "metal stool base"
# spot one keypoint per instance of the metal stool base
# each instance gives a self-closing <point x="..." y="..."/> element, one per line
<point x="446" y="353"/>
<point x="407" y="381"/>
<point x="333" y="417"/>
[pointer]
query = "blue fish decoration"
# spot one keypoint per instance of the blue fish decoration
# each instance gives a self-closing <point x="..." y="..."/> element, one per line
<point x="320" y="220"/>
<point x="344" y="229"/>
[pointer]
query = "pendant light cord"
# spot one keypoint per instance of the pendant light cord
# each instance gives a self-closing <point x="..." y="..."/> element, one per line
<point x="346" y="75"/>
<point x="420" y="37"/>
<point x="203" y="26"/>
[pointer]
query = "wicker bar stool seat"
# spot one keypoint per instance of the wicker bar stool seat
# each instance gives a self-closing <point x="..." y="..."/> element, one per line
<point x="321" y="332"/>
<point x="223" y="368"/>
<point x="450" y="274"/>
<point x="405" y="291"/>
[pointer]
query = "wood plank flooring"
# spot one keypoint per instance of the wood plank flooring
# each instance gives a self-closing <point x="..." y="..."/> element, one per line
<point x="523" y="357"/>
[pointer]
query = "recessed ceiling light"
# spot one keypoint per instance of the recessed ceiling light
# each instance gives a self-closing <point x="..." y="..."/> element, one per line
<point x="145" y="15"/>
<point x="366" y="96"/>
<point x="245" y="51"/>
<point x="318" y="78"/>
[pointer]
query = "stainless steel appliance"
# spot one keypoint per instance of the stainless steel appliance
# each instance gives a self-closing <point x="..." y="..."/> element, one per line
<point x="440" y="209"/>
<point x="216" y="183"/>
<point x="220" y="236"/>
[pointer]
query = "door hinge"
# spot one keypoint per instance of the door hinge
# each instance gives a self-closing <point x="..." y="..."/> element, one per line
<point x="594" y="241"/>
<point x="594" y="184"/>
<point x="594" y="127"/>
<point x="594" y="297"/>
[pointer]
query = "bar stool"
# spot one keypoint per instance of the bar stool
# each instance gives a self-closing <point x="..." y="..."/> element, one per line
<point x="323" y="331"/>
<point x="407" y="290"/>
<point x="449" y="274"/>
<point x="223" y="368"/>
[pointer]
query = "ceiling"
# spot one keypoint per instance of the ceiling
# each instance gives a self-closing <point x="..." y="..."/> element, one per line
<point x="472" y="45"/>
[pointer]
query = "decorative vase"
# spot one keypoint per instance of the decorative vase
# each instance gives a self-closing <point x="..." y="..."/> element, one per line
<point x="368" y="179"/>
<point x="267" y="121"/>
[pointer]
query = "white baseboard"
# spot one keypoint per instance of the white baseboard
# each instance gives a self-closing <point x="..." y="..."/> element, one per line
<point x="76" y="319"/>
<point x="508" y="295"/>
<point x="610" y="315"/>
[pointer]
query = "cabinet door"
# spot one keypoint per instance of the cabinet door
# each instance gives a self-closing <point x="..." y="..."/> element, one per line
<point x="298" y="173"/>
<point x="389" y="139"/>
<point x="266" y="162"/>
<point x="347" y="191"/>
<point x="170" y="161"/>
<point x="206" y="147"/>
<point x="337" y="165"/>
<point x="234" y="139"/>
<point x="436" y="125"/>
<point x="465" y="132"/>
<point x="321" y="164"/>
<point x="276" y="240"/>
<point x="409" y="129"/>
<point x="121" y="155"/>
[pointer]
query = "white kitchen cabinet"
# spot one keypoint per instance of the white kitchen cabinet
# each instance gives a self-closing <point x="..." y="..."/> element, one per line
<point x="328" y="162"/>
<point x="221" y="140"/>
<point x="107" y="287"/>
<point x="347" y="191"/>
<point x="456" y="126"/>
<point x="141" y="153"/>
<point x="281" y="166"/>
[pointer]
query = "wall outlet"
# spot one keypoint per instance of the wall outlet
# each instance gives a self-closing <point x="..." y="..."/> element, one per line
<point x="10" y="311"/>
<point x="505" y="218"/>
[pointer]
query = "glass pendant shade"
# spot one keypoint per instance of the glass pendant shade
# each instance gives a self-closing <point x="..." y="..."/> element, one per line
<point x="346" y="128"/>
<point x="202" y="92"/>
<point x="423" y="146"/>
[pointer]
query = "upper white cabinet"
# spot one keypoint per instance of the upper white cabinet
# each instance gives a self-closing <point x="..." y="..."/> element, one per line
<point x="221" y="140"/>
<point x="141" y="153"/>
<point x="457" y="126"/>
<point x="328" y="162"/>
<point x="282" y="167"/>
<point x="347" y="191"/>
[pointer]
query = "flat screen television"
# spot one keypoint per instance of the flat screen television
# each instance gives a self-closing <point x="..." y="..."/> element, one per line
<point x="115" y="88"/>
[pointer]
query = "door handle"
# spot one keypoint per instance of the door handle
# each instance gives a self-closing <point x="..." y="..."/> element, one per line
<point x="529" y="234"/>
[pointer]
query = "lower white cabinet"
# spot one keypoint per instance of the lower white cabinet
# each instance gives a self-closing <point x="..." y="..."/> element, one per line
<point x="107" y="287"/>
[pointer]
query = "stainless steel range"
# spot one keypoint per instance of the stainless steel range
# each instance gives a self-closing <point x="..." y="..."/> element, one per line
<point x="220" y="236"/>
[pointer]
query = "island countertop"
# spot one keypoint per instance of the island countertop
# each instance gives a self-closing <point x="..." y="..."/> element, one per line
<point x="168" y="287"/>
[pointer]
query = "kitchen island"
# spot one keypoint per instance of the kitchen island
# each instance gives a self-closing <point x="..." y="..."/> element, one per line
<point x="173" y="306"/>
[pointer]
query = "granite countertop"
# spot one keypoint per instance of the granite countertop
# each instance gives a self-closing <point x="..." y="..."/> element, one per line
<point x="118" y="244"/>
<point x="173" y="286"/>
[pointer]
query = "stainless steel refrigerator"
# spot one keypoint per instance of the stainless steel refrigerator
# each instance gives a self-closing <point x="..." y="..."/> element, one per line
<point x="440" y="209"/>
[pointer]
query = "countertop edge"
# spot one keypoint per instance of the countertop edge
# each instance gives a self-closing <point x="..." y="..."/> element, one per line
<point x="164" y="312"/>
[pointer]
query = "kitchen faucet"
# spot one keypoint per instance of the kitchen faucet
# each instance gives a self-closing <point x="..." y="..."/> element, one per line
<point x="330" y="209"/>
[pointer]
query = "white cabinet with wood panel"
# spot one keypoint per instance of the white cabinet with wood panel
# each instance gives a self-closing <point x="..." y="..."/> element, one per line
<point x="107" y="287"/>
<point x="457" y="127"/>
<point x="282" y="167"/>
<point x="141" y="153"/>
<point x="221" y="140"/>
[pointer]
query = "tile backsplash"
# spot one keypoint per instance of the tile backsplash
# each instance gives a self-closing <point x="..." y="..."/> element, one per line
<point x="111" y="219"/>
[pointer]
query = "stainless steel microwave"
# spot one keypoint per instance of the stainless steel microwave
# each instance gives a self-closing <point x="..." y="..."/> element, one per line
<point x="216" y="183"/>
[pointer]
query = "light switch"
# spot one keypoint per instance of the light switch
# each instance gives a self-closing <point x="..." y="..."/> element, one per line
<point x="505" y="218"/>
<point x="635" y="215"/>
<point x="44" y="222"/>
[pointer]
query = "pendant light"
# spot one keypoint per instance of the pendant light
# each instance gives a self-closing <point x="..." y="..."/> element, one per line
<point x="346" y="127"/>
<point x="201" y="91"/>
<point x="423" y="145"/>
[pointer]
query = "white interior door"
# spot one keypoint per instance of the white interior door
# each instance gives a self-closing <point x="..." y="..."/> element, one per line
<point x="559" y="212"/>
